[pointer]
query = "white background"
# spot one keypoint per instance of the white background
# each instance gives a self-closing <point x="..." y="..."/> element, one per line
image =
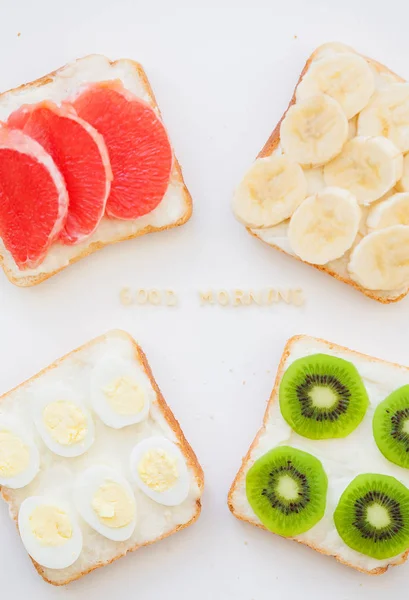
<point x="223" y="72"/>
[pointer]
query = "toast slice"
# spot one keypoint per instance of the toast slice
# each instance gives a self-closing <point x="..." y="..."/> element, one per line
<point x="342" y="458"/>
<point x="277" y="236"/>
<point x="175" y="208"/>
<point x="155" y="521"/>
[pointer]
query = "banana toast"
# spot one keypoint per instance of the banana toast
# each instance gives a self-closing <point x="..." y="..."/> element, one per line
<point x="330" y="187"/>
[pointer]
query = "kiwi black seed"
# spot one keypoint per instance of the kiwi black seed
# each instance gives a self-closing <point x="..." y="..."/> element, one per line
<point x="322" y="396"/>
<point x="287" y="490"/>
<point x="372" y="516"/>
<point x="391" y="427"/>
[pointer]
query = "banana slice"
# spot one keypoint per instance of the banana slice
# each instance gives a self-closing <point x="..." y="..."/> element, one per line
<point x="381" y="259"/>
<point x="403" y="183"/>
<point x="332" y="48"/>
<point x="270" y="191"/>
<point x="368" y="167"/>
<point x="388" y="115"/>
<point x="346" y="77"/>
<point x="393" y="211"/>
<point x="324" y="226"/>
<point x="314" y="130"/>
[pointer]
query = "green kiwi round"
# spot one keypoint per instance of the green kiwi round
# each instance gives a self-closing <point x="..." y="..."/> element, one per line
<point x="390" y="427"/>
<point x="287" y="490"/>
<point x="372" y="516"/>
<point x="322" y="396"/>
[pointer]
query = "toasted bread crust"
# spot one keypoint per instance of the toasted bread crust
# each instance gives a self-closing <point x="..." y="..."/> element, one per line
<point x="247" y="457"/>
<point x="269" y="147"/>
<point x="185" y="448"/>
<point x="31" y="280"/>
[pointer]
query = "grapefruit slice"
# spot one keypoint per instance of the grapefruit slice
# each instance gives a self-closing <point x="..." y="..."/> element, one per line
<point x="138" y="146"/>
<point x="82" y="158"/>
<point x="33" y="198"/>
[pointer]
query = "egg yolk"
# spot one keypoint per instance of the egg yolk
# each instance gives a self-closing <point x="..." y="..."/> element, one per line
<point x="125" y="396"/>
<point x="113" y="505"/>
<point x="65" y="422"/>
<point x="50" y="525"/>
<point x="158" y="470"/>
<point x="14" y="455"/>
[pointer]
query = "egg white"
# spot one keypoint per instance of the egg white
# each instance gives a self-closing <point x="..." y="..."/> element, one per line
<point x="51" y="557"/>
<point x="86" y="486"/>
<point x="176" y="494"/>
<point x="25" y="477"/>
<point x="103" y="374"/>
<point x="53" y="393"/>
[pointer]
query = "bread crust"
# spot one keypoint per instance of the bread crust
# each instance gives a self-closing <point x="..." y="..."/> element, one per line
<point x="31" y="280"/>
<point x="272" y="143"/>
<point x="184" y="445"/>
<point x="247" y="457"/>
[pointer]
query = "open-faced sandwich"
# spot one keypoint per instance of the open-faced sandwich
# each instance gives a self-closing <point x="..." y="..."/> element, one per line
<point x="85" y="161"/>
<point x="93" y="463"/>
<point x="329" y="467"/>
<point x="331" y="185"/>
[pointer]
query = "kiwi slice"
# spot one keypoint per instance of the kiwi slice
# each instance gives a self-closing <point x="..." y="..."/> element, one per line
<point x="287" y="490"/>
<point x="372" y="516"/>
<point x="391" y="427"/>
<point x="322" y="396"/>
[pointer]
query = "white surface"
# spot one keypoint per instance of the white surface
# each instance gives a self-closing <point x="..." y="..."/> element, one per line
<point x="223" y="73"/>
<point x="342" y="459"/>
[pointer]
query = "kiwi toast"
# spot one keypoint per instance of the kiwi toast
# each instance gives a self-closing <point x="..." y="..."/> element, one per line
<point x="329" y="468"/>
<point x="311" y="192"/>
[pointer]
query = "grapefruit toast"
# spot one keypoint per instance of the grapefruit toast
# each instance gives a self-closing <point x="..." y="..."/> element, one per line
<point x="100" y="125"/>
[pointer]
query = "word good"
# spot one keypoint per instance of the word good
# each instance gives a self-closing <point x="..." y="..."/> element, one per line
<point x="148" y="296"/>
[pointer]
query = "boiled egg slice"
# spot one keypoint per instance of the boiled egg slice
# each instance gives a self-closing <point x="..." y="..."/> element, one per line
<point x="19" y="456"/>
<point x="105" y="500"/>
<point x="62" y="420"/>
<point x="159" y="470"/>
<point x="121" y="392"/>
<point x="50" y="532"/>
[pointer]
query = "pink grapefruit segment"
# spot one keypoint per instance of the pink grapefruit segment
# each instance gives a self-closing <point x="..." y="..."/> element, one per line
<point x="33" y="198"/>
<point x="80" y="153"/>
<point x="138" y="146"/>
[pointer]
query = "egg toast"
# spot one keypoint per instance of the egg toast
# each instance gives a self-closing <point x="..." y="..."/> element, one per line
<point x="123" y="87"/>
<point x="335" y="175"/>
<point x="100" y="466"/>
<point x="336" y="451"/>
